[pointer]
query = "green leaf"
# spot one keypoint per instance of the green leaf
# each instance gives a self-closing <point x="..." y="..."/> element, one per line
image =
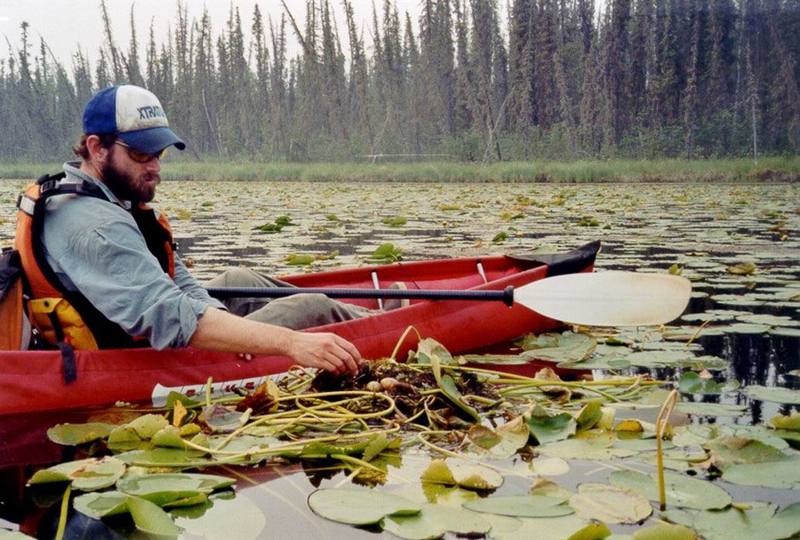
<point x="449" y="389"/>
<point x="665" y="531"/>
<point x="710" y="409"/>
<point x="547" y="429"/>
<point x="590" y="415"/>
<point x="783" y="474"/>
<point x="759" y="522"/>
<point x="123" y="438"/>
<point x="691" y="383"/>
<point x="166" y="488"/>
<point x="513" y="435"/>
<point x="773" y="394"/>
<point x="566" y="348"/>
<point x="297" y="259"/>
<point x="359" y="506"/>
<point x="681" y="490"/>
<point x="789" y="423"/>
<point x="728" y="451"/>
<point x="461" y="473"/>
<point x="434" y="520"/>
<point x="395" y="221"/>
<point x="558" y="528"/>
<point x="610" y="504"/>
<point x="86" y="474"/>
<point x="387" y="253"/>
<point x="75" y="434"/>
<point x="100" y="505"/>
<point x="151" y="519"/>
<point x="521" y="506"/>
<point x="148" y="425"/>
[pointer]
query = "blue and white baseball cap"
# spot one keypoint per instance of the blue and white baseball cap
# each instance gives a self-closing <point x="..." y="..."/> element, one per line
<point x="133" y="114"/>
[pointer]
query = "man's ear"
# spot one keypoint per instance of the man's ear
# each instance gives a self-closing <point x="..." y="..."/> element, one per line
<point x="96" y="150"/>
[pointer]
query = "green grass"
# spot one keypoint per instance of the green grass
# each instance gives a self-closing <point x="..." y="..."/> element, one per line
<point x="772" y="168"/>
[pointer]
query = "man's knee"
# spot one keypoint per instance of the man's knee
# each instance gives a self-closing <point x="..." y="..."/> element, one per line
<point x="234" y="276"/>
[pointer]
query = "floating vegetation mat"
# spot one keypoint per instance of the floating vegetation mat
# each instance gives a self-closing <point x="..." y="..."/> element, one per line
<point x="438" y="445"/>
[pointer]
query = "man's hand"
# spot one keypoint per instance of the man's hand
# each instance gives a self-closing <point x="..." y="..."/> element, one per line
<point x="324" y="351"/>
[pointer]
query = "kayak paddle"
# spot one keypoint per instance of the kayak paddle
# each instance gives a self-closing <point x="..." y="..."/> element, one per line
<point x="612" y="298"/>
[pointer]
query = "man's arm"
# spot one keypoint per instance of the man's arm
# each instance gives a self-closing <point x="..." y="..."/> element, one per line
<point x="221" y="331"/>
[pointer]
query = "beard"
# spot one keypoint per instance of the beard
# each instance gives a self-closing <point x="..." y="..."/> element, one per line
<point x="126" y="186"/>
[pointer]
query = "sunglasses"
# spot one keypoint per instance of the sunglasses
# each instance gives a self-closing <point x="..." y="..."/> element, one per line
<point x="141" y="157"/>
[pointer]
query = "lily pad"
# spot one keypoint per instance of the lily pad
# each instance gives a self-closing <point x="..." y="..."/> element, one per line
<point x="551" y="428"/>
<point x="610" y="504"/>
<point x="758" y="522"/>
<point x="566" y="348"/>
<point x="665" y="531"/>
<point x="86" y="474"/>
<point x="692" y="383"/>
<point x="148" y="425"/>
<point x="521" y="506"/>
<point x="151" y="519"/>
<point x="359" y="506"/>
<point x="434" y="520"/>
<point x="558" y="528"/>
<point x="681" y="490"/>
<point x="463" y="474"/>
<point x="100" y="505"/>
<point x="774" y="394"/>
<point x="784" y="474"/>
<point x="728" y="451"/>
<point x="710" y="409"/>
<point x="75" y="434"/>
<point x="789" y="423"/>
<point x="166" y="488"/>
<point x="510" y="437"/>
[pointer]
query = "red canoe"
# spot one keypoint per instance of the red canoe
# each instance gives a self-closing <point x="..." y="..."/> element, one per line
<point x="34" y="380"/>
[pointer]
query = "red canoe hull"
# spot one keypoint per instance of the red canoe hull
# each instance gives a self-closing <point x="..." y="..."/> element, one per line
<point x="34" y="380"/>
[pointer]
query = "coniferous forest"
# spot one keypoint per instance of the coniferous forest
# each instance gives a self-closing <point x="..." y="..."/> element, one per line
<point x="554" y="79"/>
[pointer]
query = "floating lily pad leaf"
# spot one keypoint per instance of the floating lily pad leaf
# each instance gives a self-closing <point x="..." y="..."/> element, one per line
<point x="359" y="506"/>
<point x="591" y="447"/>
<point x="86" y="474"/>
<point x="773" y="394"/>
<point x="521" y="506"/>
<point x="386" y="253"/>
<point x="742" y="269"/>
<point x="220" y="419"/>
<point x="151" y="519"/>
<point x="395" y="221"/>
<point x="786" y="333"/>
<point x="500" y="237"/>
<point x="434" y="520"/>
<point x="681" y="490"/>
<point x="164" y="457"/>
<point x="513" y="436"/>
<point x="566" y="348"/>
<point x="746" y="329"/>
<point x="692" y="383"/>
<point x="710" y="409"/>
<point x="728" y="451"/>
<point x="169" y="437"/>
<point x="549" y="466"/>
<point x="769" y="320"/>
<point x="148" y="425"/>
<point x="590" y="415"/>
<point x="75" y="434"/>
<point x="100" y="505"/>
<point x="759" y="522"/>
<point x="789" y="423"/>
<point x="223" y="516"/>
<point x="299" y="259"/>
<point x="463" y="474"/>
<point x="123" y="438"/>
<point x="660" y="359"/>
<point x="166" y="488"/>
<point x="610" y="504"/>
<point x="547" y="429"/>
<point x="483" y="437"/>
<point x="784" y="474"/>
<point x="665" y="531"/>
<point x="558" y="528"/>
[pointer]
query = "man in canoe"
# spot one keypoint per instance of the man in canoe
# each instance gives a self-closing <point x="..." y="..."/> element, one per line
<point x="102" y="269"/>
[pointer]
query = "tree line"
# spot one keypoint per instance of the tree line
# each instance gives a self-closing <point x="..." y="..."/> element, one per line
<point x="559" y="79"/>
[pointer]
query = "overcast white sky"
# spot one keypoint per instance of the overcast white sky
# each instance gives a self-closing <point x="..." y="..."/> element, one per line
<point x="66" y="23"/>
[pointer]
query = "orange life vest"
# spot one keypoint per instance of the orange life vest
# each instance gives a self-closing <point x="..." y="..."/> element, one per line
<point x="64" y="317"/>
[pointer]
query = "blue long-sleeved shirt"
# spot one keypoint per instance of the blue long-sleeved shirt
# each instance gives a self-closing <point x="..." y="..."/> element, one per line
<point x="95" y="247"/>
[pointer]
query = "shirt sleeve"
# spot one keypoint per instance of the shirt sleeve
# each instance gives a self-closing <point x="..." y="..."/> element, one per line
<point x="111" y="266"/>
<point x="189" y="285"/>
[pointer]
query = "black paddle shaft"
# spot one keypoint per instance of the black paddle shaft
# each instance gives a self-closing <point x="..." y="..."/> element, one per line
<point x="506" y="295"/>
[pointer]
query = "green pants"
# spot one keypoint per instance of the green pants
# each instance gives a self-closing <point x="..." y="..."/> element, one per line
<point x="296" y="312"/>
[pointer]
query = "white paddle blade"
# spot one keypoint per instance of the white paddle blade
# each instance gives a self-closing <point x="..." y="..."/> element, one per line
<point x="608" y="298"/>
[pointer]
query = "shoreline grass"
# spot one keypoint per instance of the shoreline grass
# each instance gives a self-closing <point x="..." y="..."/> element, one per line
<point x="666" y="170"/>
